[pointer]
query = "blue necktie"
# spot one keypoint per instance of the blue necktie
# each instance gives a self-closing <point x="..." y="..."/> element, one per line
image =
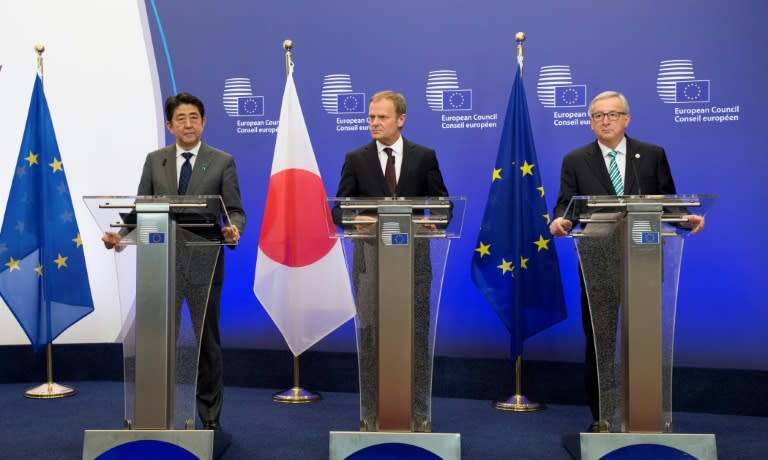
<point x="618" y="184"/>
<point x="186" y="173"/>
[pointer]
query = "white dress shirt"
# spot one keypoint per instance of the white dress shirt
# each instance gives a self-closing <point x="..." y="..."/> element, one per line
<point x="180" y="159"/>
<point x="397" y="152"/>
<point x="621" y="158"/>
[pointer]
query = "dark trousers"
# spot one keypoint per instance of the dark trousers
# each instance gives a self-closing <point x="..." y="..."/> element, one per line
<point x="210" y="367"/>
<point x="605" y="305"/>
<point x="590" y="358"/>
<point x="599" y="257"/>
<point x="193" y="278"/>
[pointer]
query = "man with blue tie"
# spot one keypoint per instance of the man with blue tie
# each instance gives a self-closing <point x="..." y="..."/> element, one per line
<point x="192" y="167"/>
<point x="613" y="164"/>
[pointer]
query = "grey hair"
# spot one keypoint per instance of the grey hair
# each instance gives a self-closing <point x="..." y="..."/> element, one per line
<point x="606" y="95"/>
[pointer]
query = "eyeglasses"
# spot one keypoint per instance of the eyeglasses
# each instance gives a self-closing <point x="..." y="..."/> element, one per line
<point x="613" y="116"/>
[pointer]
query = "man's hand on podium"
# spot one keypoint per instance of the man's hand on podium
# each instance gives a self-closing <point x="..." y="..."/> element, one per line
<point x="560" y="227"/>
<point x="365" y="224"/>
<point x="231" y="234"/>
<point x="695" y="223"/>
<point x="112" y="241"/>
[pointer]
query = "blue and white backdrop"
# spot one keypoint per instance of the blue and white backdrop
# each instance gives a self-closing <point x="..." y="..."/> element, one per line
<point x="691" y="70"/>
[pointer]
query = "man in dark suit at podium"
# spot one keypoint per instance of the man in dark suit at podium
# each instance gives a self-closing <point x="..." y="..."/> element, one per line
<point x="613" y="164"/>
<point x="390" y="166"/>
<point x="191" y="167"/>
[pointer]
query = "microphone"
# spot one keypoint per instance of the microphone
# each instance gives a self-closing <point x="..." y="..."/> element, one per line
<point x="204" y="166"/>
<point x="165" y="160"/>
<point x="634" y="170"/>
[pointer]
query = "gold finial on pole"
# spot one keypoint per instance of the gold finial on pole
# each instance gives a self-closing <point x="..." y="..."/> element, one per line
<point x="288" y="46"/>
<point x="40" y="49"/>
<point x="520" y="38"/>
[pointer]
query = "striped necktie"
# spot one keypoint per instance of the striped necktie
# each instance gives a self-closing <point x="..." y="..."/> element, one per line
<point x="618" y="184"/>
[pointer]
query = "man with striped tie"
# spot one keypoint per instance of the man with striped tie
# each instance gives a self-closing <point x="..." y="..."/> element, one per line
<point x="613" y="164"/>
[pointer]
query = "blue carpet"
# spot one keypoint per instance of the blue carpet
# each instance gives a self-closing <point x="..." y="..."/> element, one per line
<point x="53" y="429"/>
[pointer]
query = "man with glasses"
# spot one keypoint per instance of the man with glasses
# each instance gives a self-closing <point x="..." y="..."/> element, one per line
<point x="613" y="164"/>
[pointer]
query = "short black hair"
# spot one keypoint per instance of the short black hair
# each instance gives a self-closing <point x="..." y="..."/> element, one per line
<point x="182" y="98"/>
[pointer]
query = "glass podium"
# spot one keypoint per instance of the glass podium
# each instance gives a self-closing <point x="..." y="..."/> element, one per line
<point x="630" y="250"/>
<point x="168" y="250"/>
<point x="396" y="251"/>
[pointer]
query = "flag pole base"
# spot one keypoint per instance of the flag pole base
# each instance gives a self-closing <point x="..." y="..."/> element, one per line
<point x="296" y="395"/>
<point x="49" y="391"/>
<point x="518" y="403"/>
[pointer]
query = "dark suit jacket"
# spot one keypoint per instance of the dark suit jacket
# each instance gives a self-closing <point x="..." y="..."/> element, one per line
<point x="584" y="173"/>
<point x="214" y="173"/>
<point x="361" y="175"/>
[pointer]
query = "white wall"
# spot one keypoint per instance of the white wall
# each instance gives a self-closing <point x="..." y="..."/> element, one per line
<point x="101" y="86"/>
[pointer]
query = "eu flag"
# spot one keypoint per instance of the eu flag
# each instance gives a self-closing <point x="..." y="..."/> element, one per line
<point x="43" y="278"/>
<point x="457" y="99"/>
<point x="571" y="96"/>
<point x="515" y="264"/>
<point x="692" y="91"/>
<point x="350" y="103"/>
<point x="250" y="106"/>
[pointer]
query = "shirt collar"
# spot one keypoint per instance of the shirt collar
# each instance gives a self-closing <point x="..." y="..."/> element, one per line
<point x="194" y="150"/>
<point x="397" y="147"/>
<point x="621" y="148"/>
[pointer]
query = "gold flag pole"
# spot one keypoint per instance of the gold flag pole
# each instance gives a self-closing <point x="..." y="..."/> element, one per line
<point x="518" y="402"/>
<point x="50" y="389"/>
<point x="296" y="394"/>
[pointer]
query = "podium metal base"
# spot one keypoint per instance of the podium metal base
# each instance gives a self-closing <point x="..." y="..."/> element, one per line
<point x="296" y="395"/>
<point x="49" y="391"/>
<point x="447" y="446"/>
<point x="597" y="445"/>
<point x="518" y="403"/>
<point x="197" y="442"/>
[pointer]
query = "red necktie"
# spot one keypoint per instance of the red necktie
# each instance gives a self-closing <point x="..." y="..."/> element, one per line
<point x="389" y="172"/>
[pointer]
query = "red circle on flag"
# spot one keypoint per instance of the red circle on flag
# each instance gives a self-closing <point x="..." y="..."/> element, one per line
<point x="296" y="229"/>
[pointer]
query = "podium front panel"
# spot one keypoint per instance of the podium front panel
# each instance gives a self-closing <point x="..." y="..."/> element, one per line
<point x="670" y="278"/>
<point x="630" y="265"/>
<point x="599" y="250"/>
<point x="397" y="306"/>
<point x="430" y="257"/>
<point x="165" y="266"/>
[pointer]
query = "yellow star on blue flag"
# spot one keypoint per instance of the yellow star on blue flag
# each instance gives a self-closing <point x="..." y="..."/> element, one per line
<point x="37" y="233"/>
<point x="532" y="299"/>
